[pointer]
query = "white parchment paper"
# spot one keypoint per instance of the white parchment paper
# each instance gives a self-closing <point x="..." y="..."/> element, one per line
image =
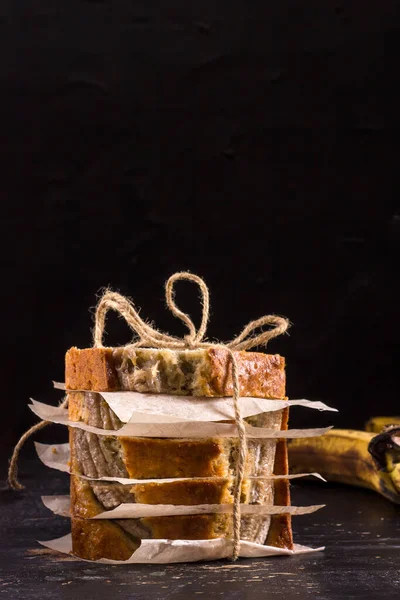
<point x="182" y="551"/>
<point x="182" y="429"/>
<point x="131" y="406"/>
<point x="61" y="505"/>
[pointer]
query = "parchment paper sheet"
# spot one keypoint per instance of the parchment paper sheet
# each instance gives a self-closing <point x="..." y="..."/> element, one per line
<point x="182" y="429"/>
<point x="61" y="505"/>
<point x="131" y="406"/>
<point x="181" y="551"/>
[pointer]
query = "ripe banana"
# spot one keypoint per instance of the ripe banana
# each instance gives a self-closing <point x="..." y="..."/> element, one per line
<point x="352" y="457"/>
<point x="378" y="424"/>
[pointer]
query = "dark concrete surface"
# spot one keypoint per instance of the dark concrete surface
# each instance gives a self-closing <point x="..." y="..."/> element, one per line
<point x="360" y="530"/>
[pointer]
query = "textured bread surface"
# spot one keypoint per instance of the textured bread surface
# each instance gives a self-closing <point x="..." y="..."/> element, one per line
<point x="204" y="372"/>
<point x="280" y="531"/>
<point x="91" y="369"/>
<point x="93" y="540"/>
<point x="99" y="456"/>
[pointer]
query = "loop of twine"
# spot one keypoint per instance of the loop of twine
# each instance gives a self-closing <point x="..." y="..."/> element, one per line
<point x="149" y="336"/>
<point x="12" y="476"/>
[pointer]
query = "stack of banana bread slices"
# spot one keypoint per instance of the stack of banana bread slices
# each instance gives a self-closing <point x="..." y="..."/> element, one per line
<point x="211" y="462"/>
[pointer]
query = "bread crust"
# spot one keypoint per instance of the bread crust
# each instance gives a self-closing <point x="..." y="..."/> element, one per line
<point x="280" y="531"/>
<point x="102" y="538"/>
<point x="260" y="375"/>
<point x="91" y="369"/>
<point x="97" y="539"/>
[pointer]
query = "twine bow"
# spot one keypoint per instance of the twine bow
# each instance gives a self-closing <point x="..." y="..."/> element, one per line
<point x="148" y="336"/>
<point x="151" y="337"/>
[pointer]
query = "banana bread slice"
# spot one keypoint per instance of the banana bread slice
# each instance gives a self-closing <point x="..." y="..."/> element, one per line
<point x="203" y="372"/>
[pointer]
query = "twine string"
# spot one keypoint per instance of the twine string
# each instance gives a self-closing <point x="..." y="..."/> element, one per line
<point x="12" y="476"/>
<point x="241" y="459"/>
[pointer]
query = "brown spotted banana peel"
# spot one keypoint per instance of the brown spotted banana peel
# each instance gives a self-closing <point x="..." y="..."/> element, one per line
<point x="356" y="458"/>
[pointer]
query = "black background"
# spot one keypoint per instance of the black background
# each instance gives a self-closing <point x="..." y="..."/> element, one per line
<point x="255" y="144"/>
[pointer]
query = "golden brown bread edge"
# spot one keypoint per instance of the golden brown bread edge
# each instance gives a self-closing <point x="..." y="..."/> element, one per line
<point x="84" y="506"/>
<point x="96" y="539"/>
<point x="280" y="530"/>
<point x="95" y="369"/>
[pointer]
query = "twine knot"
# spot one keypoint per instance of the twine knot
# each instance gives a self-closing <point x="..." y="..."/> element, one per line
<point x="190" y="342"/>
